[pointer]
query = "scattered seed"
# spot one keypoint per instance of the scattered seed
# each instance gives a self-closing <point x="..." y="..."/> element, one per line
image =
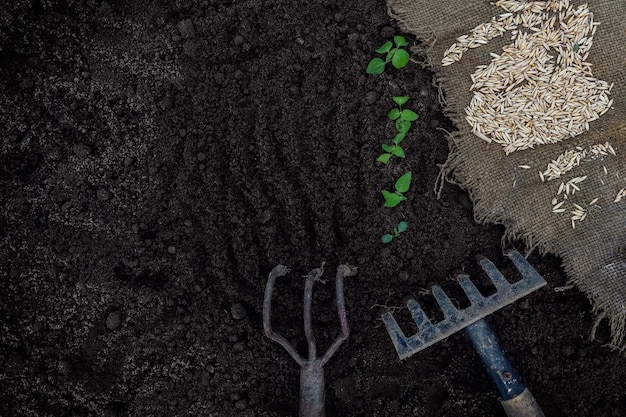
<point x="557" y="207"/>
<point x="570" y="159"/>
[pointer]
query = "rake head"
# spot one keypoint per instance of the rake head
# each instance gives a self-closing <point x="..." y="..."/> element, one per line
<point x="455" y="319"/>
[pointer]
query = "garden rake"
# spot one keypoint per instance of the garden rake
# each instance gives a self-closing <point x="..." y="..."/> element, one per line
<point x="515" y="398"/>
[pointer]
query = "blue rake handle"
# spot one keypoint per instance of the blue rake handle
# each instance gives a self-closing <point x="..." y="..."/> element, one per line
<point x="515" y="398"/>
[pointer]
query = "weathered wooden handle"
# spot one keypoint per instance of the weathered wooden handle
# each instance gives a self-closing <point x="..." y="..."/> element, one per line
<point x="524" y="405"/>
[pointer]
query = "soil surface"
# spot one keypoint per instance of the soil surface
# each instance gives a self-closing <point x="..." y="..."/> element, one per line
<point x="159" y="158"/>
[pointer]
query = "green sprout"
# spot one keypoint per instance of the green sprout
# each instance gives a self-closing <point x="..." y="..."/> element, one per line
<point x="403" y="119"/>
<point x="401" y="227"/>
<point x="398" y="57"/>
<point x="401" y="186"/>
<point x="392" y="150"/>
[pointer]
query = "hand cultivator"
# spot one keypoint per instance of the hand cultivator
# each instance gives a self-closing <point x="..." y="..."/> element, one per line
<point x="311" y="369"/>
<point x="516" y="399"/>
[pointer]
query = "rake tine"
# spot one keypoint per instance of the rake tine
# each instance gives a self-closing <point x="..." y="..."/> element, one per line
<point x="473" y="294"/>
<point x="419" y="317"/>
<point x="444" y="302"/>
<point x="405" y="346"/>
<point x="494" y="274"/>
<point x="393" y="328"/>
<point x="427" y="329"/>
<point x="524" y="267"/>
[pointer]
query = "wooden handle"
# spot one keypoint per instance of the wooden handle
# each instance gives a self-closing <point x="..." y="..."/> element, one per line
<point x="524" y="405"/>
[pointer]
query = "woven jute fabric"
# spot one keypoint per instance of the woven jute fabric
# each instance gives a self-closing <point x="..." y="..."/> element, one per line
<point x="508" y="189"/>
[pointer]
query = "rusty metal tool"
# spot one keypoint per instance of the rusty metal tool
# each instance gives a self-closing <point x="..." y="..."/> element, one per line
<point x="311" y="368"/>
<point x="515" y="398"/>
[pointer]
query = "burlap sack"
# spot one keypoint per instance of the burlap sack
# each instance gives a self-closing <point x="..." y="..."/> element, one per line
<point x="588" y="228"/>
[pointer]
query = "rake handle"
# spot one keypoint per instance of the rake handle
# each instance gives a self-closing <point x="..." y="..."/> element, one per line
<point x="515" y="398"/>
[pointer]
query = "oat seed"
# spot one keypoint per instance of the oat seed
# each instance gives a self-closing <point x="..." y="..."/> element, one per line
<point x="547" y="100"/>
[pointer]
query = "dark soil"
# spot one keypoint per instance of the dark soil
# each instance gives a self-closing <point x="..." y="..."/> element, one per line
<point x="159" y="158"/>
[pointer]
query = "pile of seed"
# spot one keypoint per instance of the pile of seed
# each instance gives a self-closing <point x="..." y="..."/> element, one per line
<point x="526" y="97"/>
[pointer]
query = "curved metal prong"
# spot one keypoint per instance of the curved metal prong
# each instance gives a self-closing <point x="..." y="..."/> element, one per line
<point x="342" y="271"/>
<point x="278" y="271"/>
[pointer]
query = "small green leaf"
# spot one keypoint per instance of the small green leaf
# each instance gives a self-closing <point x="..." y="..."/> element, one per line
<point x="400" y="59"/>
<point x="398" y="151"/>
<point x="403" y="183"/>
<point x="402" y="125"/>
<point x="400" y="100"/>
<point x="384" y="158"/>
<point x="392" y="199"/>
<point x="400" y="41"/>
<point x="388" y="196"/>
<point x="394" y="114"/>
<point x="387" y="148"/>
<point x="385" y="48"/>
<point x="387" y="238"/>
<point x="409" y="115"/>
<point x="398" y="138"/>
<point x="402" y="226"/>
<point x="376" y="66"/>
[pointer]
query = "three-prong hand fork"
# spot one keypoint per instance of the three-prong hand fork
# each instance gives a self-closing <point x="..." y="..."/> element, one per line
<point x="311" y="369"/>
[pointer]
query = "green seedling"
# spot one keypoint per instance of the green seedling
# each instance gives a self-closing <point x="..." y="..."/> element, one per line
<point x="401" y="227"/>
<point x="392" y="150"/>
<point x="403" y="119"/>
<point x="398" y="57"/>
<point x="402" y="185"/>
